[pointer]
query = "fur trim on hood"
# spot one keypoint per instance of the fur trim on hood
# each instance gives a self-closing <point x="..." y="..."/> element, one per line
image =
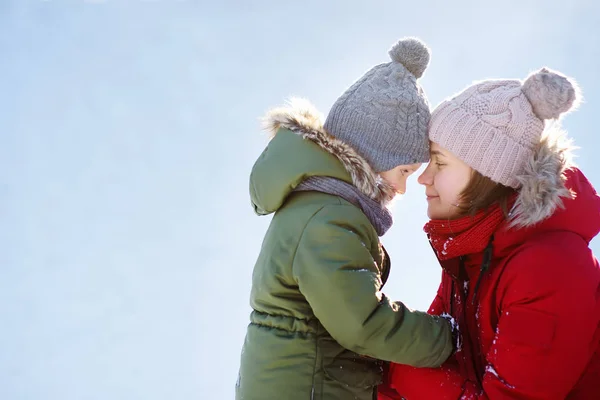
<point x="542" y="184"/>
<point x="302" y="118"/>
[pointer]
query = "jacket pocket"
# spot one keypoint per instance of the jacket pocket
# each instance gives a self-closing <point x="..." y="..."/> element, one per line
<point x="353" y="370"/>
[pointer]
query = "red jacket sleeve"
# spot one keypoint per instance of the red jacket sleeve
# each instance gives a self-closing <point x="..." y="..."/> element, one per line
<point x="543" y="339"/>
<point x="549" y="315"/>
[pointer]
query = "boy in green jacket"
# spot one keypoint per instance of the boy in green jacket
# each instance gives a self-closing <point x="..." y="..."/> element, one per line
<point x="320" y="323"/>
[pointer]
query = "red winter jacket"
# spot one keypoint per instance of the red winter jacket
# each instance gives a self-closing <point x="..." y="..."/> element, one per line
<point x="533" y="329"/>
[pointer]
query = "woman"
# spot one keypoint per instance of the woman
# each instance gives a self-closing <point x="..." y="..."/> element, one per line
<point x="511" y="222"/>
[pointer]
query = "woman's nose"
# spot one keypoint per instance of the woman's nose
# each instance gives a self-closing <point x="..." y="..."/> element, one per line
<point x="425" y="177"/>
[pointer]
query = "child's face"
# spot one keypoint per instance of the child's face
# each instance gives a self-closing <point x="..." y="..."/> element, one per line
<point x="444" y="179"/>
<point x="397" y="176"/>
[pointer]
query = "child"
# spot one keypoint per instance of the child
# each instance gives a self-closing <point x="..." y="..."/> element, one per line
<point x="316" y="289"/>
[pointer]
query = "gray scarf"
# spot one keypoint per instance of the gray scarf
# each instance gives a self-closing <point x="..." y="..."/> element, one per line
<point x="380" y="216"/>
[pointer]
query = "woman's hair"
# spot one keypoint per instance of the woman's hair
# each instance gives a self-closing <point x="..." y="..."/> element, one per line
<point x="482" y="192"/>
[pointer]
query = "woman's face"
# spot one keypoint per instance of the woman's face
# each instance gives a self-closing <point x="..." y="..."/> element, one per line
<point x="444" y="179"/>
<point x="397" y="176"/>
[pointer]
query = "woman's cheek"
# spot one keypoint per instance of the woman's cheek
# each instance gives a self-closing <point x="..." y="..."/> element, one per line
<point x="446" y="192"/>
<point x="451" y="188"/>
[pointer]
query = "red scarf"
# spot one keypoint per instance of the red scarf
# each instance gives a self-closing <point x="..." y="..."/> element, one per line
<point x="466" y="235"/>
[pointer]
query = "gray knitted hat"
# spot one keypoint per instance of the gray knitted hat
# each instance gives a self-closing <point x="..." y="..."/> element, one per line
<point x="384" y="115"/>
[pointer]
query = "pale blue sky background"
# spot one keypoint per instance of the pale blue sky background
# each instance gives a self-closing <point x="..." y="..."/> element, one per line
<point x="127" y="132"/>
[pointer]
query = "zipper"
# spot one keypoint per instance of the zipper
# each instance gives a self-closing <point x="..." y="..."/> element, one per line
<point x="485" y="266"/>
<point x="466" y="334"/>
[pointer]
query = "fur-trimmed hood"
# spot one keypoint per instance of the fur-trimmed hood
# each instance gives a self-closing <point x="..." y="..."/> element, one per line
<point x="554" y="196"/>
<point x="542" y="184"/>
<point x="577" y="210"/>
<point x="300" y="117"/>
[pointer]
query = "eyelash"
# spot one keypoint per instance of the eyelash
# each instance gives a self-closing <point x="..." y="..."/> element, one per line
<point x="439" y="164"/>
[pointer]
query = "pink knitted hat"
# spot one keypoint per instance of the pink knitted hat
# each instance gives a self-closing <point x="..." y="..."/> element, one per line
<point x="495" y="126"/>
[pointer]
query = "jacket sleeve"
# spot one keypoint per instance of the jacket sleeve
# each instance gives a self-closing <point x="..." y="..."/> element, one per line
<point x="386" y="391"/>
<point x="542" y="344"/>
<point x="341" y="281"/>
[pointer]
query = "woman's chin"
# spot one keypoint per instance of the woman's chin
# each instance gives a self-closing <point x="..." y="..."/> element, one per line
<point x="435" y="213"/>
<point x="431" y="214"/>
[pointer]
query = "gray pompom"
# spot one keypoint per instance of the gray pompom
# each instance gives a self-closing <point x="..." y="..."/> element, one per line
<point x="412" y="53"/>
<point x="550" y="93"/>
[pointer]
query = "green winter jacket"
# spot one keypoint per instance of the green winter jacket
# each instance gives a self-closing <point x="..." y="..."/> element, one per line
<point x="320" y="323"/>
